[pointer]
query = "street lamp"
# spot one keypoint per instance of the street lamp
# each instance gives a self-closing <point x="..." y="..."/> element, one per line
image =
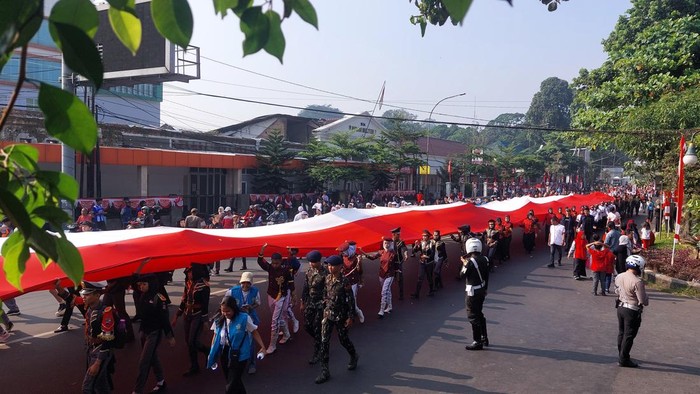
<point x="427" y="144"/>
<point x="690" y="158"/>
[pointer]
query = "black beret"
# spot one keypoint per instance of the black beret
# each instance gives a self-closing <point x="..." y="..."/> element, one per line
<point x="314" y="256"/>
<point x="334" y="260"/>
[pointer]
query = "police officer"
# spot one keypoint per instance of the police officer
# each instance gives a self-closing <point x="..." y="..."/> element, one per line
<point x="99" y="337"/>
<point x="338" y="312"/>
<point x="402" y="254"/>
<point x="475" y="268"/>
<point x="632" y="297"/>
<point x="312" y="300"/>
<point x="153" y="309"/>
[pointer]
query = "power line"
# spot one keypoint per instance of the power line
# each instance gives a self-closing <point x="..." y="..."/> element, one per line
<point x="428" y="121"/>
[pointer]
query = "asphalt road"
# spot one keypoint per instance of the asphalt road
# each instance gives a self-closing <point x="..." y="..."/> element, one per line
<point x="548" y="333"/>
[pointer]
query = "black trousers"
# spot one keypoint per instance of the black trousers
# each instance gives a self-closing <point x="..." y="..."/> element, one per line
<point x="233" y="372"/>
<point x="628" y="322"/>
<point x="193" y="330"/>
<point x="426" y="272"/>
<point x="529" y="242"/>
<point x="475" y="314"/>
<point x="579" y="267"/>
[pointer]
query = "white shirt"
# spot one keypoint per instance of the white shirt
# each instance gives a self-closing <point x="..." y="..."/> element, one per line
<point x="250" y="327"/>
<point x="556" y="234"/>
<point x="645" y="233"/>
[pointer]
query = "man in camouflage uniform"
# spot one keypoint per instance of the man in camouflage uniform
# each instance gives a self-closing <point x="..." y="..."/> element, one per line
<point x="312" y="300"/>
<point x="339" y="312"/>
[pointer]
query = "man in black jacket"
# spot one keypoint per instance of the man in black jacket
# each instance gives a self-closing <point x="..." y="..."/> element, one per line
<point x="475" y="268"/>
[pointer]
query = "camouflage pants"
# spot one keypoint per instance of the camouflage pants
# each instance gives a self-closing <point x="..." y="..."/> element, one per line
<point x="312" y="325"/>
<point x="326" y="331"/>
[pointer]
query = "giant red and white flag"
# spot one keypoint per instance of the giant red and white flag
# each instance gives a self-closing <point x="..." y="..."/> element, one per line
<point x="680" y="190"/>
<point x="119" y="253"/>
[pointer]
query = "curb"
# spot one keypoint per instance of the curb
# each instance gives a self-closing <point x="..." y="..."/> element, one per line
<point x="668" y="282"/>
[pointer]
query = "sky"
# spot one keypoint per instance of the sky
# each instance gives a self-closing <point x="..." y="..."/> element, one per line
<point x="498" y="57"/>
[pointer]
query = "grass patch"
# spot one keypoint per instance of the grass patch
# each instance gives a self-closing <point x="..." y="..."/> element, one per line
<point x="688" y="291"/>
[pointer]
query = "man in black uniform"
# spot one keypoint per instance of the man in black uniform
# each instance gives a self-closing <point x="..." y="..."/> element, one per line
<point x="195" y="306"/>
<point x="153" y="310"/>
<point x="632" y="297"/>
<point x="475" y="268"/>
<point x="339" y="312"/>
<point x="402" y="255"/>
<point x="312" y="300"/>
<point x="99" y="337"/>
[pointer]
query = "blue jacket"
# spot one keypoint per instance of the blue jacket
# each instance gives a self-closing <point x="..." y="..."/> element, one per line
<point x="238" y="339"/>
<point x="237" y="293"/>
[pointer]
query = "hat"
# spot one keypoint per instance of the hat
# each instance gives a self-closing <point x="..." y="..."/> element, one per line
<point x="334" y="260"/>
<point x="300" y="209"/>
<point x="276" y="256"/>
<point x="228" y="209"/>
<point x="246" y="277"/>
<point x="388" y="239"/>
<point x="343" y="247"/>
<point x="426" y="232"/>
<point x="314" y="256"/>
<point x="92" y="287"/>
<point x="465" y="228"/>
<point x="396" y="230"/>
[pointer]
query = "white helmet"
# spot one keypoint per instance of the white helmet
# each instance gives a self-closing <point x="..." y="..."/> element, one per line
<point x="636" y="262"/>
<point x="473" y="245"/>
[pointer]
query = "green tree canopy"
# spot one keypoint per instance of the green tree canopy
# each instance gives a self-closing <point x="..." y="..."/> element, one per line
<point x="273" y="158"/>
<point x="318" y="111"/>
<point x="550" y="106"/>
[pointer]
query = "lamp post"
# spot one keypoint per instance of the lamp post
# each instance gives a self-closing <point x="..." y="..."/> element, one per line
<point x="427" y="144"/>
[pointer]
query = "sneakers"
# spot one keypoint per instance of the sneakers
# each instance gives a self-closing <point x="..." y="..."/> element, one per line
<point x="13" y="313"/>
<point x="61" y="310"/>
<point x="228" y="270"/>
<point x="4" y="336"/>
<point x="60" y="329"/>
<point x="360" y="315"/>
<point x="160" y="387"/>
<point x="295" y="327"/>
<point x="628" y="364"/>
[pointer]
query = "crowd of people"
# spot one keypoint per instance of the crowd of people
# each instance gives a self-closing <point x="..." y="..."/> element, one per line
<point x="328" y="298"/>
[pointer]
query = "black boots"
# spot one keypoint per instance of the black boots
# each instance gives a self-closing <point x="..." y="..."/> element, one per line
<point x="475" y="346"/>
<point x="353" y="362"/>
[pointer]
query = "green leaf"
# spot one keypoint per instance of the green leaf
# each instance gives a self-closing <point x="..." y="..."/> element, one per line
<point x="12" y="207"/>
<point x="173" y="19"/>
<point x="52" y="214"/>
<point x="67" y="118"/>
<point x="69" y="260"/>
<point x="121" y="4"/>
<point x="306" y="11"/>
<point x="15" y="253"/>
<point x="64" y="185"/>
<point x="19" y="21"/>
<point x="127" y="27"/>
<point x="256" y="27"/>
<point x="222" y="6"/>
<point x="25" y="156"/>
<point x="79" y="52"/>
<point x="457" y="8"/>
<point x="275" y="43"/>
<point x="79" y="13"/>
<point x="287" y="9"/>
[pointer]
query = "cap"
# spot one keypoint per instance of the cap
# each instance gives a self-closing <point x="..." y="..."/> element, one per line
<point x="246" y="277"/>
<point x="343" y="247"/>
<point x="228" y="209"/>
<point x="465" y="228"/>
<point x="387" y="239"/>
<point x="92" y="287"/>
<point x="334" y="260"/>
<point x="276" y="256"/>
<point x="314" y="256"/>
<point x="396" y="230"/>
<point x="300" y="209"/>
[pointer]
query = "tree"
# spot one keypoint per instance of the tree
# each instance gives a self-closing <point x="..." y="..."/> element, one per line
<point x="550" y="106"/>
<point x="341" y="158"/>
<point x="272" y="159"/>
<point x="317" y="111"/>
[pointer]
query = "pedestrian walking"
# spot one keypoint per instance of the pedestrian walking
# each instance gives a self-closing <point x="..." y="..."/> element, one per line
<point x="312" y="300"/>
<point x="99" y="338"/>
<point x="248" y="299"/>
<point x="280" y="281"/>
<point x="387" y="261"/>
<point x="632" y="298"/>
